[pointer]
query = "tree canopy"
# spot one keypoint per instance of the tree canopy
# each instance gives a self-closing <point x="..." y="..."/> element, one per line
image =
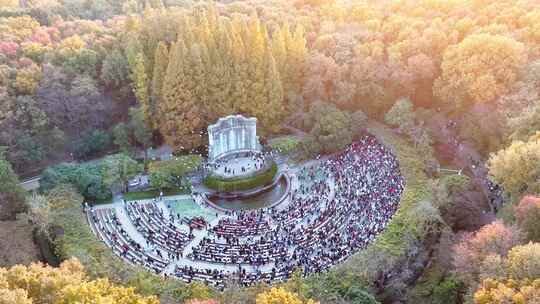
<point x="65" y="284"/>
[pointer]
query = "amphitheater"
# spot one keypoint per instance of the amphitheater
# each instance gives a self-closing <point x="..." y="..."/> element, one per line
<point x="335" y="206"/>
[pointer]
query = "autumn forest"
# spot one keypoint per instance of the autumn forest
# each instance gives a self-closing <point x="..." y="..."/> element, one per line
<point x="453" y="86"/>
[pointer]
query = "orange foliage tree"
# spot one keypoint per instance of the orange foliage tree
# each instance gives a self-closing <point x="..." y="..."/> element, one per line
<point x="492" y="240"/>
<point x="479" y="69"/>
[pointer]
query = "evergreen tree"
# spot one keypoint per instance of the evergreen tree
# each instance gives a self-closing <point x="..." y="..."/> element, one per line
<point x="160" y="69"/>
<point x="140" y="89"/>
<point x="180" y="113"/>
<point x="279" y="52"/>
<point x="296" y="56"/>
<point x="274" y="94"/>
<point x="239" y="67"/>
<point x="256" y="97"/>
<point x="219" y="77"/>
<point x="218" y="66"/>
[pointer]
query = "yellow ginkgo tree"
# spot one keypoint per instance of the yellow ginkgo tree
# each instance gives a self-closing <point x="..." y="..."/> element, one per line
<point x="39" y="283"/>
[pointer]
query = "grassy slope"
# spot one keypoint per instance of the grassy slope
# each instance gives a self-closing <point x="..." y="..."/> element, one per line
<point x="16" y="245"/>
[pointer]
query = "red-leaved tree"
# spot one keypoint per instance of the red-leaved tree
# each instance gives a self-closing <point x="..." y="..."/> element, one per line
<point x="495" y="239"/>
<point x="528" y="217"/>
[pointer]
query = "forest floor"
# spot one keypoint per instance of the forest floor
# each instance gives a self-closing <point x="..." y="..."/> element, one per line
<point x="16" y="243"/>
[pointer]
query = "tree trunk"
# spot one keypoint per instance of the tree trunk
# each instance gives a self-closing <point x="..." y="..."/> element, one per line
<point x="145" y="159"/>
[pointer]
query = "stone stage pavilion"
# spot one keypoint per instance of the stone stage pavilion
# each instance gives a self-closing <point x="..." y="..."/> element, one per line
<point x="234" y="148"/>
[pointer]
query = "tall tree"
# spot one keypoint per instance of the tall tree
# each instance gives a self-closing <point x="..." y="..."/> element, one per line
<point x="401" y="115"/>
<point x="471" y="253"/>
<point x="141" y="132"/>
<point x="68" y="283"/>
<point x="11" y="194"/>
<point x="516" y="168"/>
<point x="118" y="169"/>
<point x="140" y="83"/>
<point x="528" y="216"/>
<point x="179" y="111"/>
<point x="479" y="69"/>
<point x="274" y="93"/>
<point x="161" y="58"/>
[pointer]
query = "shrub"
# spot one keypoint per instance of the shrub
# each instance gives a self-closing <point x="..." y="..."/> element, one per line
<point x="447" y="292"/>
<point x="86" y="178"/>
<point x="281" y="296"/>
<point x="360" y="296"/>
<point x="285" y="145"/>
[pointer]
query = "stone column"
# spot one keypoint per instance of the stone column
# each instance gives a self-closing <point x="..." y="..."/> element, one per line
<point x="253" y="137"/>
<point x="244" y="146"/>
<point x="233" y="139"/>
<point x="221" y="143"/>
<point x="211" y="144"/>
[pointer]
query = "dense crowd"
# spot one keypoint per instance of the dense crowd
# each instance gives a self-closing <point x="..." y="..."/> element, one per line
<point x="338" y="206"/>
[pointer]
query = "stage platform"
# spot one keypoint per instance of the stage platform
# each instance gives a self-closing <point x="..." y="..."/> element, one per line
<point x="238" y="167"/>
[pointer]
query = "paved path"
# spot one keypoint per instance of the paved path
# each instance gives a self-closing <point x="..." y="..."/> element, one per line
<point x="31" y="184"/>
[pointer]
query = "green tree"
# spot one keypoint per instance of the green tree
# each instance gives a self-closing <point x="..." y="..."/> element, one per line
<point x="528" y="216"/>
<point x="332" y="129"/>
<point x="114" y="70"/>
<point x="91" y="144"/>
<point x="84" y="61"/>
<point x="118" y="169"/>
<point x="526" y="124"/>
<point x="30" y="148"/>
<point x="86" y="178"/>
<point x="516" y="167"/>
<point x="401" y="115"/>
<point x="141" y="132"/>
<point x="11" y="194"/>
<point x="171" y="173"/>
<point x="447" y="291"/>
<point x="122" y="138"/>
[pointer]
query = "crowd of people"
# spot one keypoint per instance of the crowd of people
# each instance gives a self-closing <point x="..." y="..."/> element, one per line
<point x="337" y="207"/>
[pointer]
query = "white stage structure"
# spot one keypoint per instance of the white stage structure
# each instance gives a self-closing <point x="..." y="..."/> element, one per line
<point x="232" y="134"/>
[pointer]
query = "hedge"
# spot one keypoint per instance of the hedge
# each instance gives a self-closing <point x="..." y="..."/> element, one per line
<point x="149" y="194"/>
<point x="285" y="145"/>
<point x="228" y="185"/>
